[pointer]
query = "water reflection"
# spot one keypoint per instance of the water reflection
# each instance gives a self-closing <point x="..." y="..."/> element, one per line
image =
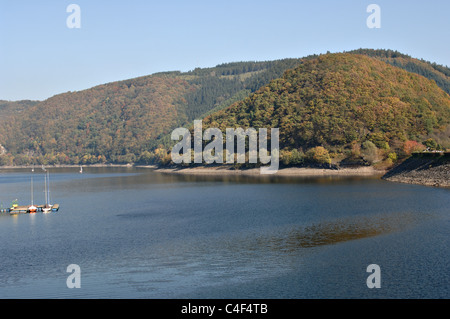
<point x="329" y="233"/>
<point x="263" y="179"/>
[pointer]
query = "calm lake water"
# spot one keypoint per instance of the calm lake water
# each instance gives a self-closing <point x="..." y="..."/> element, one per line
<point x="139" y="234"/>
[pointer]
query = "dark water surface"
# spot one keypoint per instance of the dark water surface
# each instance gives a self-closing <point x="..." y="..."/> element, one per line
<point x="139" y="234"/>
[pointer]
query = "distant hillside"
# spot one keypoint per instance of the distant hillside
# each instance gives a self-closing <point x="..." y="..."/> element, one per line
<point x="121" y="121"/>
<point x="345" y="108"/>
<point x="9" y="109"/>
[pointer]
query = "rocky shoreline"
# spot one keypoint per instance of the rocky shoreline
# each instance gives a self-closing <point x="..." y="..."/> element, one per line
<point x="429" y="169"/>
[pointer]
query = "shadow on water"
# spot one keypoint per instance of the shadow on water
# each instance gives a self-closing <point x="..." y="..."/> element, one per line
<point x="333" y="232"/>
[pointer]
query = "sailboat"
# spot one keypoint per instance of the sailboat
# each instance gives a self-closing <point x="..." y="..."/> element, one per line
<point x="47" y="207"/>
<point x="32" y="209"/>
<point x="81" y="169"/>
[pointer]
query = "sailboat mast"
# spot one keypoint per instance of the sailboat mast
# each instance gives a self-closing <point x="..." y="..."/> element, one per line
<point x="48" y="188"/>
<point x="45" y="190"/>
<point x="32" y="197"/>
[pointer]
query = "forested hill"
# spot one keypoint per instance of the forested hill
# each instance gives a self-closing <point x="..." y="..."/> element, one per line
<point x="121" y="122"/>
<point x="438" y="73"/>
<point x="346" y="108"/>
<point x="10" y="109"/>
<point x="130" y="121"/>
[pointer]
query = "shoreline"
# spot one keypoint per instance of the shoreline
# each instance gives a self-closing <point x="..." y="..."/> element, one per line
<point x="226" y="170"/>
<point x="290" y="171"/>
<point x="65" y="166"/>
<point x="441" y="183"/>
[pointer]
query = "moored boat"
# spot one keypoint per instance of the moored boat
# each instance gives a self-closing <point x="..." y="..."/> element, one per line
<point x="47" y="208"/>
<point x="32" y="209"/>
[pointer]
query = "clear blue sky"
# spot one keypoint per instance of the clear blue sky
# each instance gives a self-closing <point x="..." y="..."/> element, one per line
<point x="40" y="56"/>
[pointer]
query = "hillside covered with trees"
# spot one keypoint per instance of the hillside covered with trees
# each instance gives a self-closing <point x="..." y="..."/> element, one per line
<point x="432" y="71"/>
<point x="344" y="109"/>
<point x="126" y="121"/>
<point x="363" y="107"/>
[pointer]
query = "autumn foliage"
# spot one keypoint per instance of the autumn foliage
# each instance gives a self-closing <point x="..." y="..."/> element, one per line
<point x="366" y="107"/>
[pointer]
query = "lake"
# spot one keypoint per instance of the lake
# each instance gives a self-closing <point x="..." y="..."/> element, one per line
<point x="136" y="234"/>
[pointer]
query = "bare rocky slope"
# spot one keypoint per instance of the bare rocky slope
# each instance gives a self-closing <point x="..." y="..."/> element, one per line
<point x="431" y="169"/>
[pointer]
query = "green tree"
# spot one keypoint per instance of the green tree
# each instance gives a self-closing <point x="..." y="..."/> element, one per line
<point x="319" y="155"/>
<point x="369" y="152"/>
<point x="431" y="144"/>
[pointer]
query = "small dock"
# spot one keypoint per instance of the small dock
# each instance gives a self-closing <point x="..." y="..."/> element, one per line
<point x="24" y="209"/>
<point x="16" y="209"/>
